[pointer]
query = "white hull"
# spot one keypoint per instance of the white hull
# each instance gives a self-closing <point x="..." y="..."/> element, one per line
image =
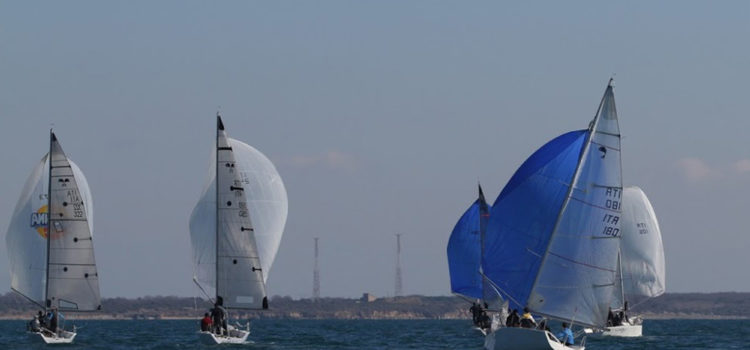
<point x="633" y="329"/>
<point x="512" y="338"/>
<point x="64" y="337"/>
<point x="235" y="336"/>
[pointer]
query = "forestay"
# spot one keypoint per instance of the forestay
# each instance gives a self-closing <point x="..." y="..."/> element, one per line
<point x="553" y="234"/>
<point x="642" y="251"/>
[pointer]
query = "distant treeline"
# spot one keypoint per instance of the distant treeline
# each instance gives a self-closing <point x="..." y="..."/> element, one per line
<point x="409" y="307"/>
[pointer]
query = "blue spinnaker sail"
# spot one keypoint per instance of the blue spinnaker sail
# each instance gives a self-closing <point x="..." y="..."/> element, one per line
<point x="465" y="250"/>
<point x="524" y="216"/>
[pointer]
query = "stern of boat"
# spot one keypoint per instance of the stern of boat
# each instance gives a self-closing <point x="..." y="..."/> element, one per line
<point x="63" y="337"/>
<point x="512" y="338"/>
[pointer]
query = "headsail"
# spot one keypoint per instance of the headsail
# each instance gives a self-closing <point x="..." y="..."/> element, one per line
<point x="222" y="224"/>
<point x="642" y="251"/>
<point x="465" y="250"/>
<point x="553" y="235"/>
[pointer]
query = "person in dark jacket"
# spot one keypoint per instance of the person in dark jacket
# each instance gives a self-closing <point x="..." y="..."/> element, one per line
<point x="527" y="321"/>
<point x="513" y="320"/>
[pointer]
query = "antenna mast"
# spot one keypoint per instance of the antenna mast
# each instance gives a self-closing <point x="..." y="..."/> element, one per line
<point x="316" y="274"/>
<point x="399" y="284"/>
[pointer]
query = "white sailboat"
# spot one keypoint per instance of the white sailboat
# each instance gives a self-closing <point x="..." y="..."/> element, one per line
<point x="553" y="235"/>
<point x="641" y="266"/>
<point x="50" y="243"/>
<point x="236" y="229"/>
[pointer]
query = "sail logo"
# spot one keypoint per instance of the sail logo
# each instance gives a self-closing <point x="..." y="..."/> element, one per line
<point x="39" y="220"/>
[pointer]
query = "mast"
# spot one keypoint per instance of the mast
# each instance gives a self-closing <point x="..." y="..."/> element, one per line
<point x="52" y="138"/>
<point x="482" y="206"/>
<point x="574" y="180"/>
<point x="399" y="284"/>
<point x="219" y="128"/>
<point x="482" y="229"/>
<point x="622" y="279"/>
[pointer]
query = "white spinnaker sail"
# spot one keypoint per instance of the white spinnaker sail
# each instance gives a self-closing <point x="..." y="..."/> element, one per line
<point x="642" y="251"/>
<point x="265" y="198"/>
<point x="73" y="281"/>
<point x="203" y="233"/>
<point x="72" y="254"/>
<point x="576" y="278"/>
<point x="25" y="241"/>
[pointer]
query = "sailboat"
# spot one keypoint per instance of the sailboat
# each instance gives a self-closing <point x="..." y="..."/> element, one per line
<point x="465" y="250"/>
<point x="50" y="245"/>
<point x="641" y="267"/>
<point x="236" y="229"/>
<point x="553" y="235"/>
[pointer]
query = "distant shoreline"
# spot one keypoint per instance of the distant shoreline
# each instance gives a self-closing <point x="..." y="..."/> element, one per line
<point x="684" y="306"/>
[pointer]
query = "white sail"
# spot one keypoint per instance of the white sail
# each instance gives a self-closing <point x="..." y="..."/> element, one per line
<point x="642" y="251"/>
<point x="203" y="233"/>
<point x="26" y="240"/>
<point x="267" y="200"/>
<point x="70" y="280"/>
<point x="252" y="212"/>
<point x="73" y="282"/>
<point x="577" y="275"/>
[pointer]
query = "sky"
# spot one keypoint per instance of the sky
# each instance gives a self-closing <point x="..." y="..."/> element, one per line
<point x="380" y="116"/>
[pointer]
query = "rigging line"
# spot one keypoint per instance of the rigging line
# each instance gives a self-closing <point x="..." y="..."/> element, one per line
<point x="497" y="288"/>
<point x="203" y="290"/>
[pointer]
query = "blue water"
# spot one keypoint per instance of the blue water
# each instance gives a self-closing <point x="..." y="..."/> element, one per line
<point x="369" y="334"/>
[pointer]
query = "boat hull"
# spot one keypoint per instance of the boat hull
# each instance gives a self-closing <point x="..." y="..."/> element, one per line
<point x="512" y="338"/>
<point x="64" y="337"/>
<point x="624" y="330"/>
<point x="236" y="336"/>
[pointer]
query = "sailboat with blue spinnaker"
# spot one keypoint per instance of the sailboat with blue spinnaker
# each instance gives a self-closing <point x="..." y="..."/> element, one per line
<point x="553" y="235"/>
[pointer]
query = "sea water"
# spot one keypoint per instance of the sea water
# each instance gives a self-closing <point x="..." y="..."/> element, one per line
<point x="368" y="334"/>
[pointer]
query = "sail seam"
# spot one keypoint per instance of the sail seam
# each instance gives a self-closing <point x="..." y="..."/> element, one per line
<point x="579" y="262"/>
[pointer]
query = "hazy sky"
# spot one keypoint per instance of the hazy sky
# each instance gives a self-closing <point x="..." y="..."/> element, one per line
<point x="380" y="116"/>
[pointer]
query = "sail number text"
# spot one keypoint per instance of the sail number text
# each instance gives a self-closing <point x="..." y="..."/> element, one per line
<point x="611" y="226"/>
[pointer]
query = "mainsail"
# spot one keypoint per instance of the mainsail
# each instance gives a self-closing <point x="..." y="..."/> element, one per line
<point x="641" y="249"/>
<point x="553" y="234"/>
<point x="60" y="271"/>
<point x="465" y="248"/>
<point x="244" y="224"/>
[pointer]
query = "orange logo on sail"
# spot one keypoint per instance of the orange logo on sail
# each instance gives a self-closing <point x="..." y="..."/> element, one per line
<point x="39" y="220"/>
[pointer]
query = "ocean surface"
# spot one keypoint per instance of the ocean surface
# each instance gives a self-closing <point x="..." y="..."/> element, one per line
<point x="368" y="334"/>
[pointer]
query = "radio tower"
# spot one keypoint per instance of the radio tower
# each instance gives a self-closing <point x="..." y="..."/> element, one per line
<point x="316" y="274"/>
<point x="399" y="285"/>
